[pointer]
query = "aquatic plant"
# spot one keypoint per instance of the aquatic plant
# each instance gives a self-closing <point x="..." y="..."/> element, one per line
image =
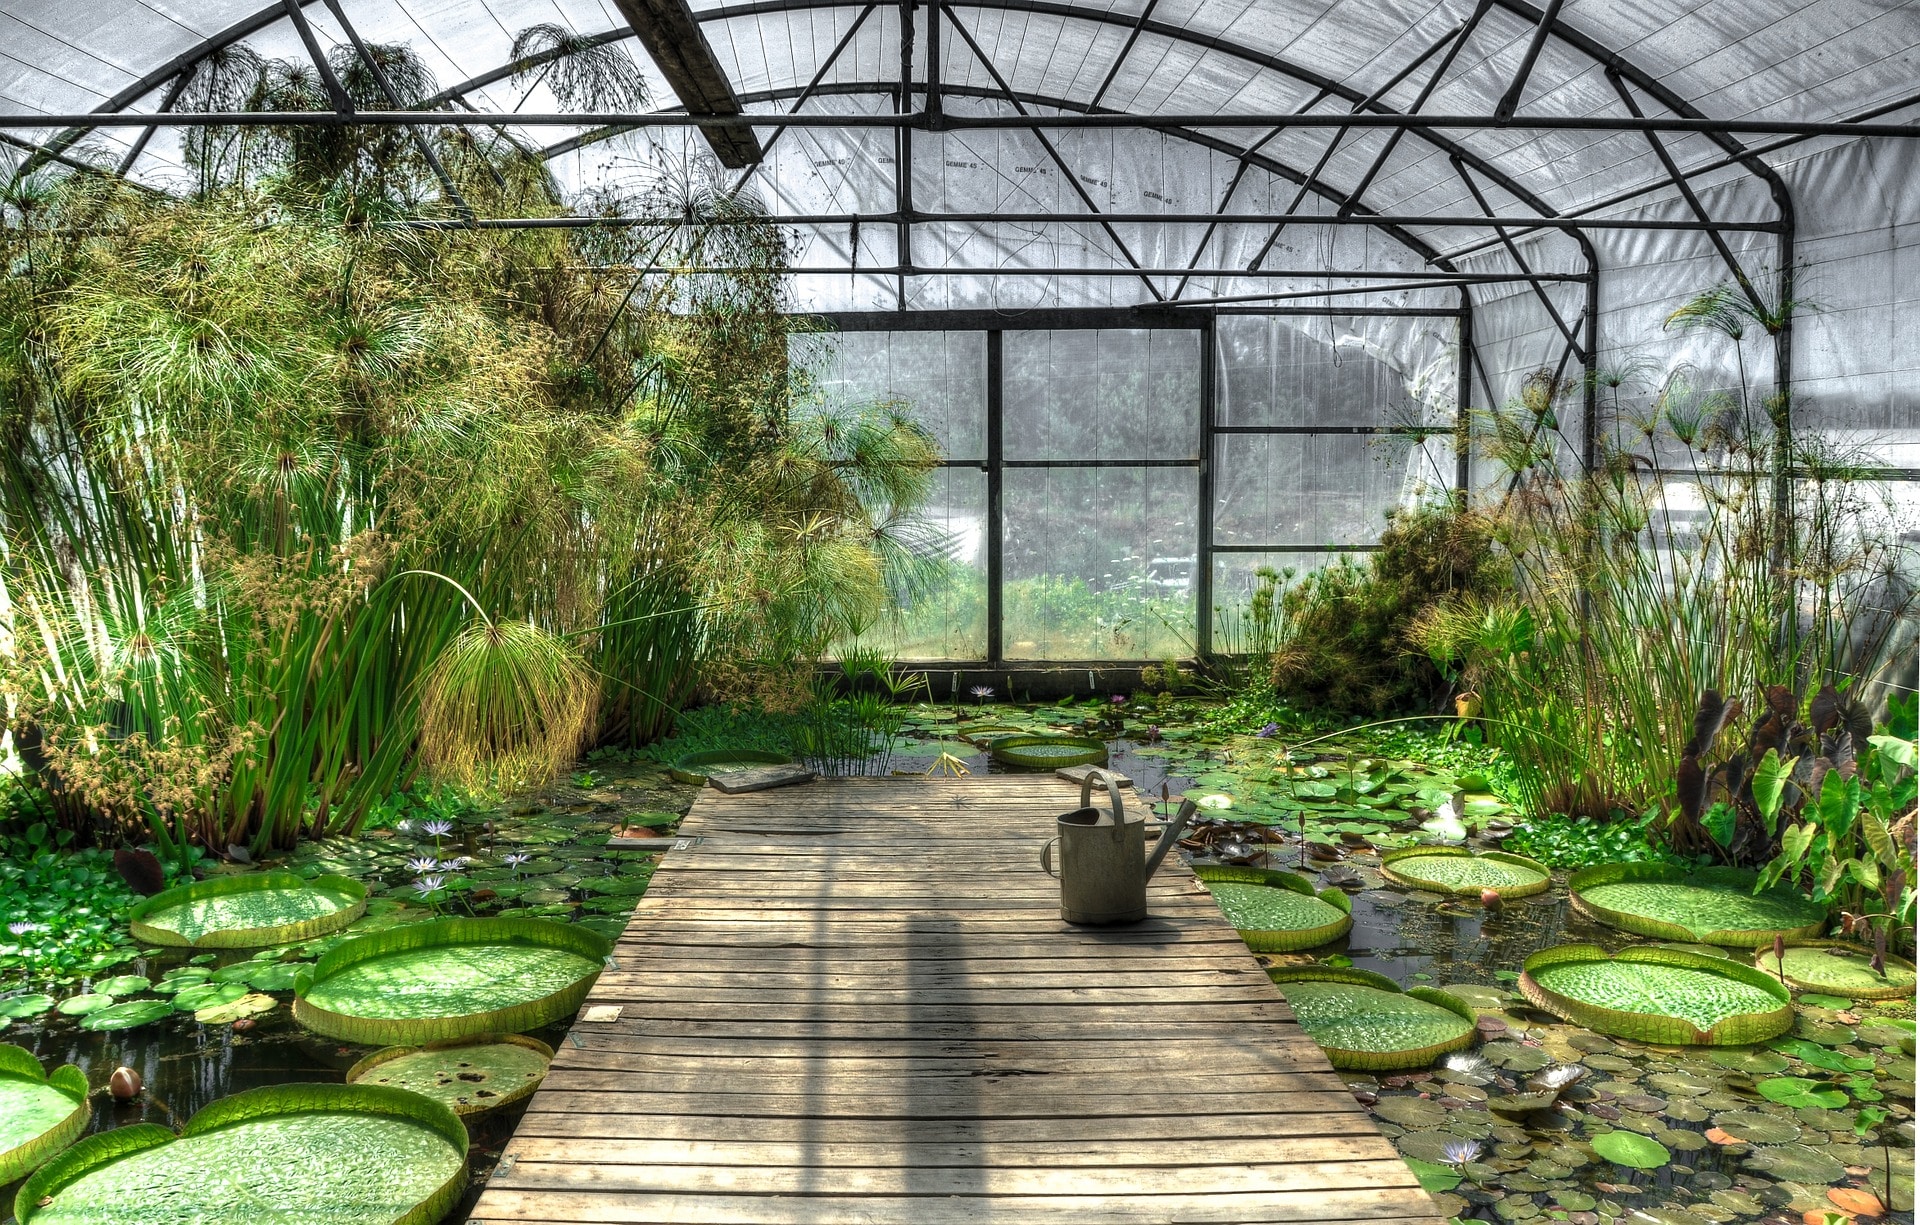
<point x="40" y="1114"/>
<point x="250" y="911"/>
<point x="1276" y="912"/>
<point x="357" y="1154"/>
<point x="1365" y="1021"/>
<point x="1654" y="994"/>
<point x="1460" y="871"/>
<point x="449" y="978"/>
<point x="1712" y="905"/>
<point x="1047" y="752"/>
<point x="469" y="1076"/>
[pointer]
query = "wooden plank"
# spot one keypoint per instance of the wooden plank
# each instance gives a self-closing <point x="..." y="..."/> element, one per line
<point x="856" y="1002"/>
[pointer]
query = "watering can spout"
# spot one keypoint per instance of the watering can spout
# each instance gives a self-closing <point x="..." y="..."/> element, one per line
<point x="1170" y="836"/>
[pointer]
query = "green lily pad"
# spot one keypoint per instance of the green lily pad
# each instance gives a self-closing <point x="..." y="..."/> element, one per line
<point x="39" y="1114"/>
<point x="1364" y="1020"/>
<point x="123" y="985"/>
<point x="1712" y="905"/>
<point x="259" y="908"/>
<point x="1753" y="1063"/>
<point x="1433" y="1176"/>
<point x="127" y="1015"/>
<point x="81" y="1005"/>
<point x="1797" y="1091"/>
<point x="339" y="1154"/>
<point x="1457" y="870"/>
<point x="208" y="995"/>
<point x="1276" y="912"/>
<point x="1757" y="1128"/>
<point x="467" y="1075"/>
<point x="1654" y="994"/>
<point x="450" y="978"/>
<point x="1797" y="1163"/>
<point x="1843" y="969"/>
<point x="1047" y="752"/>
<point x="1632" y="1149"/>
<point x="22" y="1006"/>
<point x="277" y="977"/>
<point x="227" y="1013"/>
<point x="696" y="768"/>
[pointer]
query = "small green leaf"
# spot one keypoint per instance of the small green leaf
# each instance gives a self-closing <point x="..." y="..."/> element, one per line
<point x="1769" y="784"/>
<point x="1632" y="1149"/>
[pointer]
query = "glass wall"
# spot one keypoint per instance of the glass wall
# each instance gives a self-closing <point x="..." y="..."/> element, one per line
<point x="1074" y="473"/>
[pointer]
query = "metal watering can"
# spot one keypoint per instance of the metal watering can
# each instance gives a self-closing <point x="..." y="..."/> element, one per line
<point x="1104" y="865"/>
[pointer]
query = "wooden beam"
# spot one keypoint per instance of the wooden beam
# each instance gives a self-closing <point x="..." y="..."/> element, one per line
<point x="672" y="36"/>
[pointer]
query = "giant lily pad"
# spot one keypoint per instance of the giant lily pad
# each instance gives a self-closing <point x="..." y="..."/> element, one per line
<point x="1364" y="1020"/>
<point x="1711" y="905"/>
<point x="1276" y="912"/>
<point x="1453" y="869"/>
<point x="1046" y="752"/>
<point x="696" y="768"/>
<point x="467" y="1075"/>
<point x="243" y="912"/>
<point x="39" y="1114"/>
<point x="1656" y="994"/>
<point x="306" y="1154"/>
<point x="450" y="978"/>
<point x="1840" y="969"/>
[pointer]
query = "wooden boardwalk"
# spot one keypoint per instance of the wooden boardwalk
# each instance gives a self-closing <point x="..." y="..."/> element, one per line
<point x="855" y="1002"/>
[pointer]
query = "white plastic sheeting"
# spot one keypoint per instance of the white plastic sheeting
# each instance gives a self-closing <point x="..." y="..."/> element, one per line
<point x="1855" y="203"/>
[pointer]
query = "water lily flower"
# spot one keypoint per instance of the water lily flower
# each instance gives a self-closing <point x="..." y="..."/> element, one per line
<point x="517" y="858"/>
<point x="403" y="826"/>
<point x="1460" y="1152"/>
<point x="455" y="864"/>
<point x="430" y="884"/>
<point x="981" y="692"/>
<point x="422" y="864"/>
<point x="438" y="829"/>
<point x="22" y="929"/>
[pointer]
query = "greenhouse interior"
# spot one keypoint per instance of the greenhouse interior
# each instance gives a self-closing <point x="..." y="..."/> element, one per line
<point x="812" y="612"/>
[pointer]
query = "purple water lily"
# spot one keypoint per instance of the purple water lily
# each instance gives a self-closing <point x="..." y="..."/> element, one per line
<point x="1460" y="1152"/>
<point x="1269" y="731"/>
<point x="430" y="884"/>
<point x="422" y="864"/>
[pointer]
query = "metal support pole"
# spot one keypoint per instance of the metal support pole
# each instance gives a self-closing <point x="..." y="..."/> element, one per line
<point x="1463" y="396"/>
<point x="995" y="524"/>
<point x="1203" y="520"/>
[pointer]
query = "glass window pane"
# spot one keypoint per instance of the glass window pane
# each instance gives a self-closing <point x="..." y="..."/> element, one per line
<point x="1099" y="562"/>
<point x="1321" y="488"/>
<point x="1272" y="372"/>
<point x="938" y="378"/>
<point x="949" y="619"/>
<point x="1118" y="394"/>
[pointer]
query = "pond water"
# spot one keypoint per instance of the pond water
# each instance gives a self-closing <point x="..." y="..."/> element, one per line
<point x="1735" y="1156"/>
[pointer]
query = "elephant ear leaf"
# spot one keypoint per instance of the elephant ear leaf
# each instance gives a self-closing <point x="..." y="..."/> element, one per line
<point x="1878" y="839"/>
<point x="1719" y="823"/>
<point x="1713" y="714"/>
<point x="1770" y="784"/>
<point x="1690" y="783"/>
<point x="1824" y="711"/>
<point x="1839" y="801"/>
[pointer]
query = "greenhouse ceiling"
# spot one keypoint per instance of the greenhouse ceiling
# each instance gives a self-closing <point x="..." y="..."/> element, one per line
<point x="1419" y="156"/>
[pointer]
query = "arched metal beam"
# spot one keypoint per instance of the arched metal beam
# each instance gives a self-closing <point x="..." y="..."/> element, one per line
<point x="1272" y="165"/>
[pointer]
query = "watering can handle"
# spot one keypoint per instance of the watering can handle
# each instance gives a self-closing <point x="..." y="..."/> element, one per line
<point x="1113" y="793"/>
<point x="1046" y="858"/>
